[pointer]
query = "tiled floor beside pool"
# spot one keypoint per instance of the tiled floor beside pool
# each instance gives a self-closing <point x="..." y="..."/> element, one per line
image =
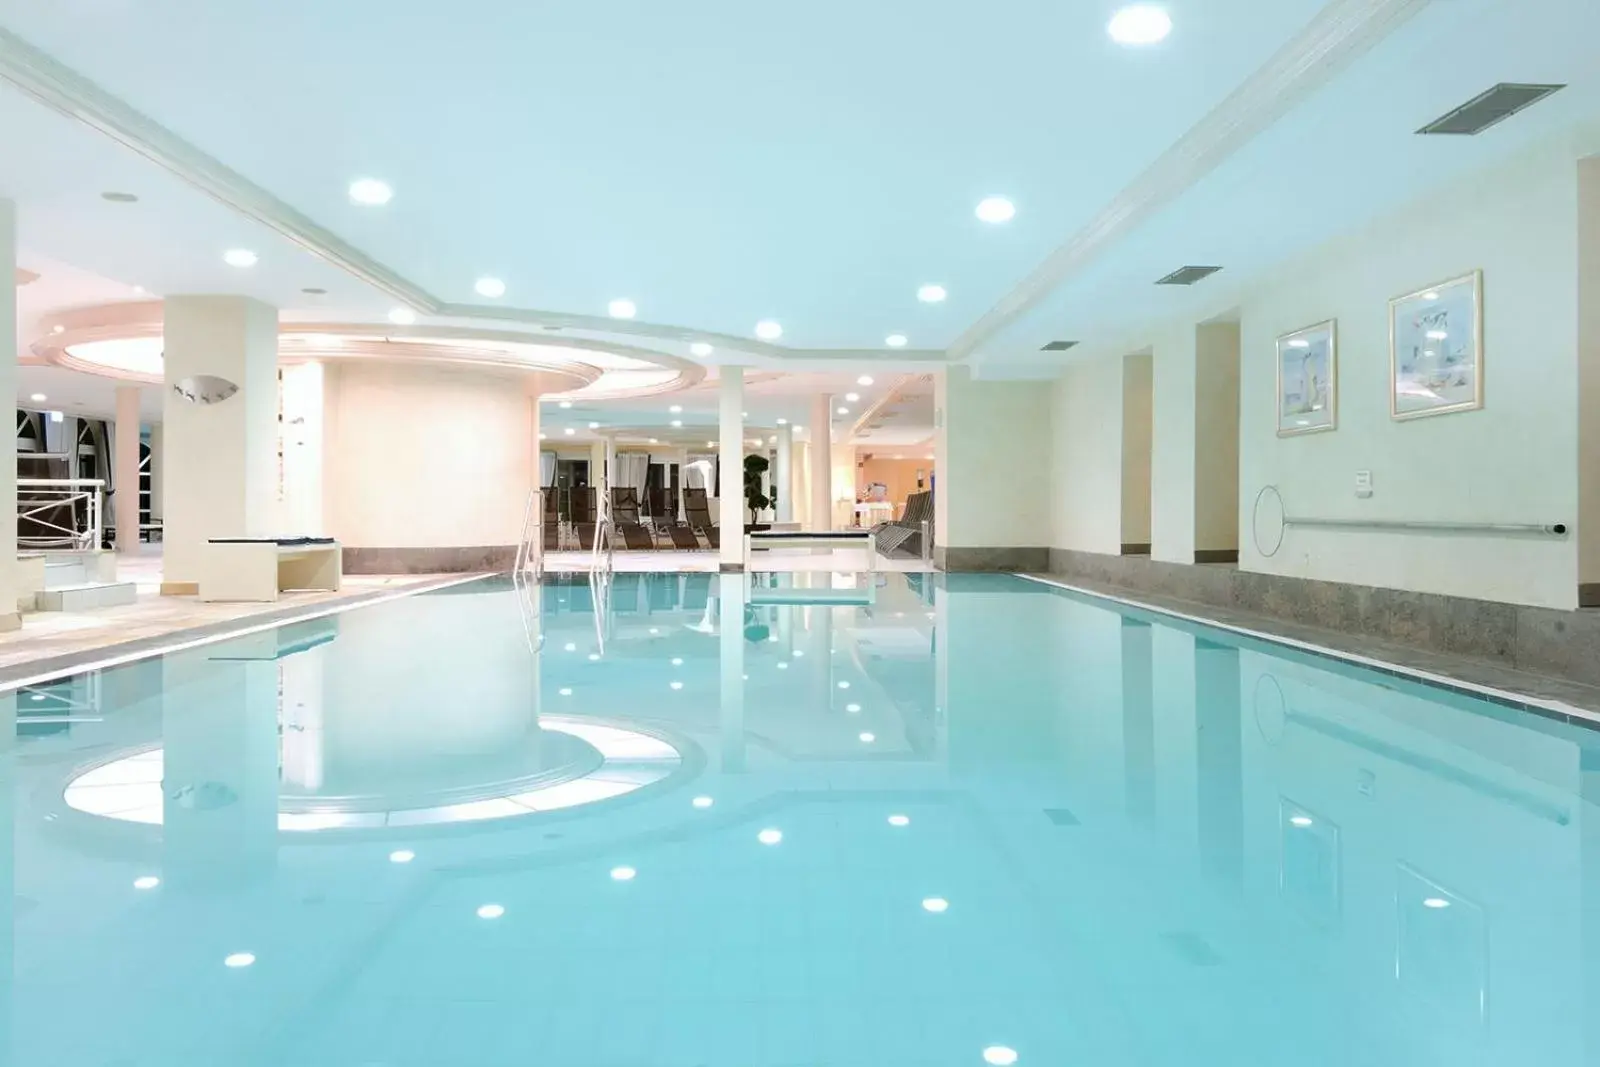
<point x="794" y="820"/>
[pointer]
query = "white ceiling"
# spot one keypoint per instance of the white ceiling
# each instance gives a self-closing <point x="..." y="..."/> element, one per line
<point x="720" y="162"/>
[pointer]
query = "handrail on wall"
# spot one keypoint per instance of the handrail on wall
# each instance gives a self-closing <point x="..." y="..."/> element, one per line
<point x="1274" y="500"/>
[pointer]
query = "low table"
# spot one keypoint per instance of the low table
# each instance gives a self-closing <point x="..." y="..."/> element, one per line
<point x="257" y="569"/>
<point x="862" y="539"/>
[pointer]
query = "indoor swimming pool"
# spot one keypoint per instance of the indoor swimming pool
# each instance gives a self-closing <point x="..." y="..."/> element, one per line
<point x="810" y="820"/>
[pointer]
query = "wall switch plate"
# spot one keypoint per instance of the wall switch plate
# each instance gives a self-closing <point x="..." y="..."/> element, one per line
<point x="1363" y="484"/>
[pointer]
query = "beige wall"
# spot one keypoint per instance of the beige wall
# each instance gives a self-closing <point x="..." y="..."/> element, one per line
<point x="1216" y="437"/>
<point x="994" y="462"/>
<point x="421" y="457"/>
<point x="1087" y="414"/>
<point x="1138" y="415"/>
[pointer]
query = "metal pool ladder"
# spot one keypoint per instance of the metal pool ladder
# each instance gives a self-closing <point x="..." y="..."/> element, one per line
<point x="528" y="570"/>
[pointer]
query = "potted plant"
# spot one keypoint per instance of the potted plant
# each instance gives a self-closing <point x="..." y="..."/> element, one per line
<point x="754" y="498"/>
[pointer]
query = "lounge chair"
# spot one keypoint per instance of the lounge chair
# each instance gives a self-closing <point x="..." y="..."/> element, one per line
<point x="625" y="517"/>
<point x="698" y="509"/>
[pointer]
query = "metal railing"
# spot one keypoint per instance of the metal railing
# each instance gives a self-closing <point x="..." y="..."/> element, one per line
<point x="528" y="569"/>
<point x="605" y="534"/>
<point x="60" y="513"/>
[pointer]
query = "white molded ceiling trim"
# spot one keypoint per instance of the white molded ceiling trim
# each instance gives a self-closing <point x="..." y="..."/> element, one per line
<point x="1342" y="32"/>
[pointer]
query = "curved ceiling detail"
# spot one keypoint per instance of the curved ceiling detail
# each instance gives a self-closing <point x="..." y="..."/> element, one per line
<point x="124" y="341"/>
<point x="131" y="789"/>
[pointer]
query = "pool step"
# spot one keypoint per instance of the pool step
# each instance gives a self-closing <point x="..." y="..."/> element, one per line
<point x="87" y="596"/>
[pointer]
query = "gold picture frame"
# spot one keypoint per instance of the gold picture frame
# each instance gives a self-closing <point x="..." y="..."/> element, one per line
<point x="1432" y="371"/>
<point x="1308" y="379"/>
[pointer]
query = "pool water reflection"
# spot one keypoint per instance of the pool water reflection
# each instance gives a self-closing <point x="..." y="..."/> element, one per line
<point x="680" y="820"/>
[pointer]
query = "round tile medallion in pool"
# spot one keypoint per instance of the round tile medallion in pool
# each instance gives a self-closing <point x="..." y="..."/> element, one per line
<point x="130" y="789"/>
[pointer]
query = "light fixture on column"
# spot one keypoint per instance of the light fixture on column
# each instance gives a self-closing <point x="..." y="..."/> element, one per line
<point x="403" y="317"/>
<point x="369" y="192"/>
<point x="204" y="389"/>
<point x="38" y="398"/>
<point x="1140" y="24"/>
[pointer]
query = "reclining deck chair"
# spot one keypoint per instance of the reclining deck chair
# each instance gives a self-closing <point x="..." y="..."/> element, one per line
<point x="699" y="512"/>
<point x="625" y="517"/>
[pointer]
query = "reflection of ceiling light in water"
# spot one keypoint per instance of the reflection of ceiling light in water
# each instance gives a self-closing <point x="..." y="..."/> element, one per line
<point x="404" y="855"/>
<point x="149" y="881"/>
<point x="798" y="654"/>
<point x="1299" y="820"/>
<point x="770" y="836"/>
<point x="677" y="685"/>
<point x="1000" y="1056"/>
<point x="491" y="911"/>
<point x="565" y="692"/>
<point x="867" y="739"/>
<point x="702" y="802"/>
<point x="1429" y="352"/>
<point x="623" y="874"/>
<point x="899" y="820"/>
<point x="937" y="905"/>
<point x="569" y="647"/>
<point x="1438" y="335"/>
<point x="782" y="666"/>
<point x="844" y="685"/>
<point x="1435" y="902"/>
<point x="677" y="661"/>
<point x="239" y="959"/>
<point x="594" y="657"/>
<point x="852" y="708"/>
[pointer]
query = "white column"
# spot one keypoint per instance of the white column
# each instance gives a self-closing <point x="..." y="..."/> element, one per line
<point x="125" y="457"/>
<point x="821" y="449"/>
<point x="730" y="487"/>
<point x="10" y="618"/>
<point x="730" y="627"/>
<point x="611" y="468"/>
<point x="303" y="453"/>
<point x="597" y="472"/>
<point x="784" y="479"/>
<point x="222" y="457"/>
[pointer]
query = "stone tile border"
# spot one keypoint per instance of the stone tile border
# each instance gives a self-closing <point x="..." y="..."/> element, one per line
<point x="50" y="668"/>
<point x="1564" y="701"/>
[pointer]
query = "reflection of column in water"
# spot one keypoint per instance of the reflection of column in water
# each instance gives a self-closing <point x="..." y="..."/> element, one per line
<point x="1589" y="894"/>
<point x="219" y="724"/>
<point x="1219" y="799"/>
<point x="730" y="621"/>
<point x="819" y="654"/>
<point x="8" y="883"/>
<point x="1138" y="720"/>
<point x="303" y="735"/>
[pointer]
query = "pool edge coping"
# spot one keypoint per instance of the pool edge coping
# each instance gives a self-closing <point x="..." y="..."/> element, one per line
<point x="1544" y="707"/>
<point x="51" y="668"/>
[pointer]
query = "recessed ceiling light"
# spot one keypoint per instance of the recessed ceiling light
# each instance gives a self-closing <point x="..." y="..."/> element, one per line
<point x="938" y="905"/>
<point x="677" y="661"/>
<point x="138" y="288"/>
<point x="674" y="685"/>
<point x="852" y="708"/>
<point x="120" y="198"/>
<point x="58" y="328"/>
<point x="676" y="408"/>
<point x="623" y="874"/>
<point x="569" y="431"/>
<point x="594" y="426"/>
<point x="852" y="397"/>
<point x="1000" y="1056"/>
<point x="148" y="881"/>
<point x="844" y="685"/>
<point x="239" y="257"/>
<point x="702" y="802"/>
<point x="711" y="444"/>
<point x="403" y="317"/>
<point x="868" y="738"/>
<point x="1140" y="24"/>
<point x="932" y="294"/>
<point x="622" y="308"/>
<point x="996" y="209"/>
<point x="38" y="398"/>
<point x="564" y="405"/>
<point x="490" y="287"/>
<point x="865" y="379"/>
<point x="768" y="330"/>
<point x="565" y="691"/>
<point x="899" y="820"/>
<point x="770" y="836"/>
<point x="653" y="441"/>
<point x="239" y="959"/>
<point x="491" y="911"/>
<point x="783" y="422"/>
<point x="700" y="350"/>
<point x="677" y="424"/>
<point x="844" y="411"/>
<point x="895" y="340"/>
<point x="371" y="192"/>
<point x="404" y="855"/>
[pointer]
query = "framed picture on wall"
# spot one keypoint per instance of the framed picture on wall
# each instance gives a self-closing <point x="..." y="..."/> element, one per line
<point x="1436" y="349"/>
<point x="1308" y="388"/>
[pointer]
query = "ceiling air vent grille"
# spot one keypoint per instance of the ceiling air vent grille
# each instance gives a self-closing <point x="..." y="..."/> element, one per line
<point x="1188" y="275"/>
<point x="1486" y="109"/>
<point x="1058" y="346"/>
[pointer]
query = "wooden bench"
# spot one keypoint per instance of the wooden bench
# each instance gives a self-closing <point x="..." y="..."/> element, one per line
<point x="865" y="540"/>
<point x="257" y="569"/>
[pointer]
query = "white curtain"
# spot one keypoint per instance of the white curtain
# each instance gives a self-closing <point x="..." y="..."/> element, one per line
<point x="697" y="475"/>
<point x="632" y="469"/>
<point x="547" y="469"/>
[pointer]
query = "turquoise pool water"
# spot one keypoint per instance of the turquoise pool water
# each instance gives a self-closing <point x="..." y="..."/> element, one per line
<point x="911" y="823"/>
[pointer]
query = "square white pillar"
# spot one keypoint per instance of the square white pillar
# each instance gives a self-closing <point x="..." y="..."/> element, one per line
<point x="730" y="487"/>
<point x="10" y="618"/>
<point x="821" y="455"/>
<point x="784" y="476"/>
<point x="222" y="457"/>
<point x="303" y="450"/>
<point x="125" y="458"/>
